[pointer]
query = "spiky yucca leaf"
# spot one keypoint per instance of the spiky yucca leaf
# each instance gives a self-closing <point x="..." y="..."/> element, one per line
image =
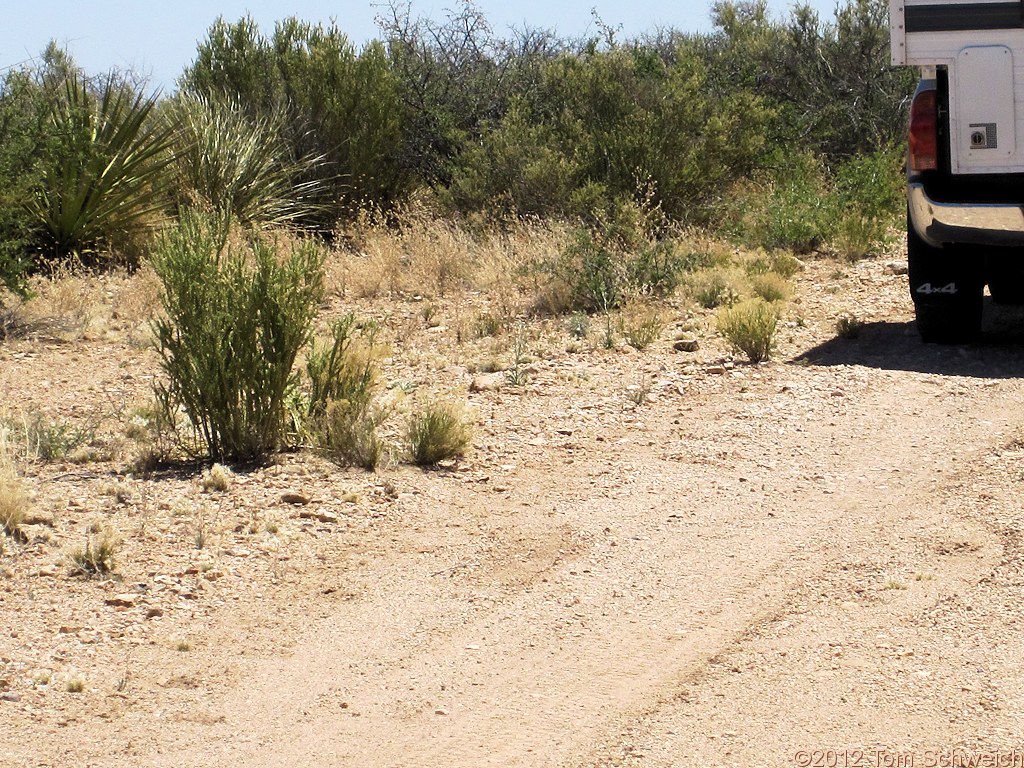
<point x="239" y="165"/>
<point x="107" y="176"/>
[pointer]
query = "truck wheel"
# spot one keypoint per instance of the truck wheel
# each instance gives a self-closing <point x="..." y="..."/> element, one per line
<point x="1006" y="277"/>
<point x="946" y="285"/>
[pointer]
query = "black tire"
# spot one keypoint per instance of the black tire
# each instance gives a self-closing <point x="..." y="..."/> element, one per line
<point x="1006" y="276"/>
<point x="946" y="285"/>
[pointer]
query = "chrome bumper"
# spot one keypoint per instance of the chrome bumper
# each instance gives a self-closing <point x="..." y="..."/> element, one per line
<point x="978" y="223"/>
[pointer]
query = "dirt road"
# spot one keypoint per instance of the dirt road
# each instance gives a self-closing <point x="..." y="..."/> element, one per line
<point x="817" y="561"/>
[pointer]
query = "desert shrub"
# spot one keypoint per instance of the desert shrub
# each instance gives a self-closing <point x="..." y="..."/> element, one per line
<point x="749" y="327"/>
<point x="771" y="287"/>
<point x="24" y="110"/>
<point x="235" y="316"/>
<point x="349" y="436"/>
<point x="340" y="105"/>
<point x="455" y="78"/>
<point x="217" y="478"/>
<point x="342" y="369"/>
<point x="520" y="166"/>
<point x="340" y="414"/>
<point x="594" y="272"/>
<point x="600" y="124"/>
<point x="437" y="433"/>
<point x="869" y="191"/>
<point x="712" y="288"/>
<point x="849" y="327"/>
<point x="790" y="207"/>
<point x="785" y="264"/>
<point x="43" y="438"/>
<point x="641" y="325"/>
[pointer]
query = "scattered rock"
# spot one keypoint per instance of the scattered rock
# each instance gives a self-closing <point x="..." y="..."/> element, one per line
<point x="126" y="600"/>
<point x="295" y="498"/>
<point x="47" y="571"/>
<point x="154" y="612"/>
<point x="322" y="515"/>
<point x="443" y="712"/>
<point x="39" y="518"/>
<point x="718" y="370"/>
<point x="487" y="383"/>
<point x="11" y="697"/>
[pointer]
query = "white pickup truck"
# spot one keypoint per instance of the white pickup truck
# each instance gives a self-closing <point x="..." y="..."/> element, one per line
<point x="965" y="165"/>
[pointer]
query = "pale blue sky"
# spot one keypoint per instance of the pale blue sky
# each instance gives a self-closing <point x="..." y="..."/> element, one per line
<point x="158" y="39"/>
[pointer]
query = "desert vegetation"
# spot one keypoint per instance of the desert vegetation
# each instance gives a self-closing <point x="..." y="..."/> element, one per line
<point x="622" y="184"/>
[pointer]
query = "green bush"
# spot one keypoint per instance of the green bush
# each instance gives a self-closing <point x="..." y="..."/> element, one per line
<point x="750" y="327"/>
<point x="27" y="142"/>
<point x="790" y="207"/>
<point x="235" y="317"/>
<point x="339" y="106"/>
<point x="870" y="199"/>
<point x="437" y="433"/>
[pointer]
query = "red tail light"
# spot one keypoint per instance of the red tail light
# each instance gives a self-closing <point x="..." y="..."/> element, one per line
<point x="924" y="139"/>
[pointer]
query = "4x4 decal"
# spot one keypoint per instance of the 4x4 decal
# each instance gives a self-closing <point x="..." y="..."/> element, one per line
<point x="927" y="289"/>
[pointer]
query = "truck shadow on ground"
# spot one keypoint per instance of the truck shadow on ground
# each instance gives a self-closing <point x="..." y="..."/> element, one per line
<point x="998" y="354"/>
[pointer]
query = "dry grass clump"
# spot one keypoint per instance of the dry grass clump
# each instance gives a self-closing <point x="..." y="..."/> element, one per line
<point x="62" y="304"/>
<point x="437" y="433"/>
<point x="750" y="328"/>
<point x="713" y="288"/>
<point x="217" y="478"/>
<point x="423" y="255"/>
<point x="771" y="286"/>
<point x="14" y="500"/>
<point x="350" y="435"/>
<point x="426" y="255"/>
<point x="96" y="557"/>
<point x="641" y="325"/>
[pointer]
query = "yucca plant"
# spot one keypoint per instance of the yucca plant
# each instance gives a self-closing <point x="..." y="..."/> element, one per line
<point x="108" y="174"/>
<point x="239" y="165"/>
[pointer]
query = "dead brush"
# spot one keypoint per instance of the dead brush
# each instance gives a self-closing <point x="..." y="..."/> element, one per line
<point x="641" y="325"/>
<point x="14" y="501"/>
<point x="425" y="255"/>
<point x="96" y="556"/>
<point x="63" y="304"/>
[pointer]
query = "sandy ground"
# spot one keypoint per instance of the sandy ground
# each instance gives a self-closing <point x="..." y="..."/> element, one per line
<point x="811" y="562"/>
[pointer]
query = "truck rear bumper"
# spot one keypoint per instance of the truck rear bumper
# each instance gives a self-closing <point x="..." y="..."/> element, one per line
<point x="941" y="224"/>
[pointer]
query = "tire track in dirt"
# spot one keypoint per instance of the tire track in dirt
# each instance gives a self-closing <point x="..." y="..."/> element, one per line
<point x="669" y="583"/>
